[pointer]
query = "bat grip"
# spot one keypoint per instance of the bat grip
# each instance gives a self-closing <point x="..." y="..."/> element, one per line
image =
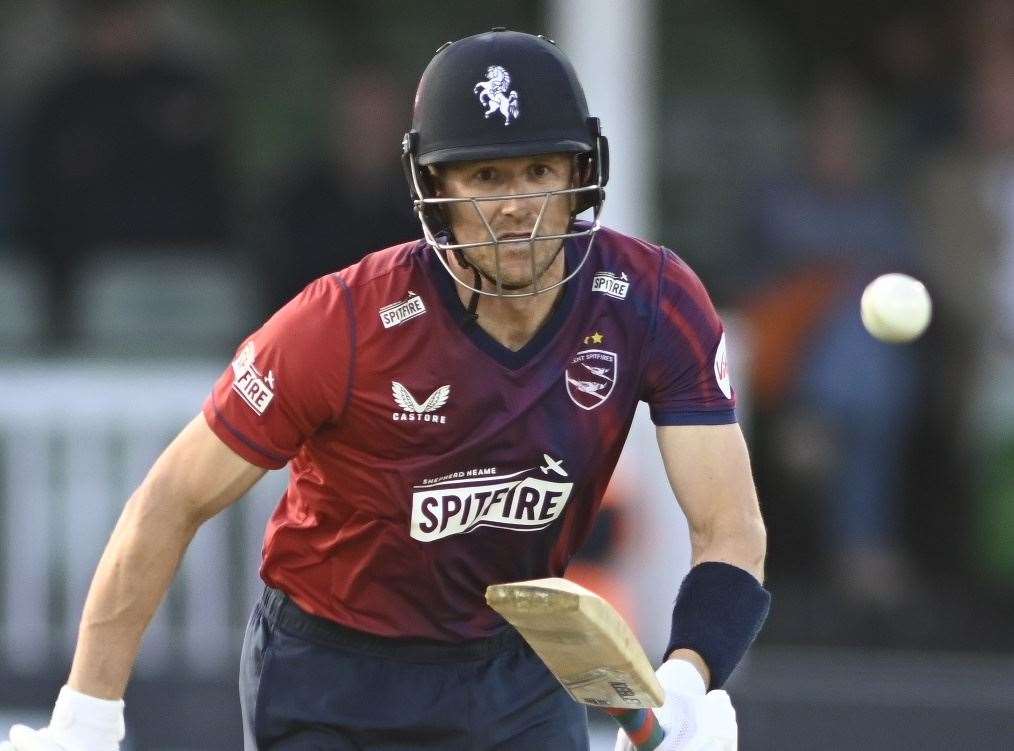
<point x="641" y="726"/>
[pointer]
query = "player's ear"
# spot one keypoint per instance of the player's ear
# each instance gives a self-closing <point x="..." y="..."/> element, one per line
<point x="433" y="178"/>
<point x="583" y="169"/>
<point x="579" y="173"/>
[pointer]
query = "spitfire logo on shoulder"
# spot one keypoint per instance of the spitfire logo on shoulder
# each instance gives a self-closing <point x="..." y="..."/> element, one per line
<point x="257" y="390"/>
<point x="608" y="283"/>
<point x="461" y="502"/>
<point x="401" y="311"/>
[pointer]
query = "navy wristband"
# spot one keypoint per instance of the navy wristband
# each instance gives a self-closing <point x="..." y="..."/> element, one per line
<point x="719" y="612"/>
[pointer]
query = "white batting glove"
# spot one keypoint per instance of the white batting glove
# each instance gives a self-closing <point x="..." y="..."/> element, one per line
<point x="79" y="723"/>
<point x="692" y="719"/>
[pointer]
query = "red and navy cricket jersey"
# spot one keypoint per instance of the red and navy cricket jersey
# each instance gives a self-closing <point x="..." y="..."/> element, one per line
<point x="427" y="460"/>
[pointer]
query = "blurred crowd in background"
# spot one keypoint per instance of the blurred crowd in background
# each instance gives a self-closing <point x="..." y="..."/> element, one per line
<point x="803" y="148"/>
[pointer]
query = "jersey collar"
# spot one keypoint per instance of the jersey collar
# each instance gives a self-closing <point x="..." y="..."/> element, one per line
<point x="573" y="249"/>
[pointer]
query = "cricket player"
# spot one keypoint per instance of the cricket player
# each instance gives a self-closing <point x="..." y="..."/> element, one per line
<point x="451" y="410"/>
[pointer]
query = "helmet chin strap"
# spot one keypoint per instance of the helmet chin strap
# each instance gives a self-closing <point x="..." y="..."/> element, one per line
<point x="478" y="276"/>
<point x="473" y="302"/>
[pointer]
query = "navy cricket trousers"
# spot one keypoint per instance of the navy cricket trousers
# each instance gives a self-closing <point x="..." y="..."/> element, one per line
<point x="308" y="683"/>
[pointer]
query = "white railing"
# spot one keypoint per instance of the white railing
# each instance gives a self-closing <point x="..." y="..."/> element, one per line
<point x="75" y="440"/>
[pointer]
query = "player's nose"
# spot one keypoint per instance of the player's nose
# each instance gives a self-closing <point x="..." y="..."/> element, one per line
<point x="517" y="209"/>
<point x="520" y="204"/>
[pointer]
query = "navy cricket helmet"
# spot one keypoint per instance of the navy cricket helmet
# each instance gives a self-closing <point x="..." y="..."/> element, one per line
<point x="495" y="95"/>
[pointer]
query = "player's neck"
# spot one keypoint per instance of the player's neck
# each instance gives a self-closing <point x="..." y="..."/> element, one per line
<point x="514" y="321"/>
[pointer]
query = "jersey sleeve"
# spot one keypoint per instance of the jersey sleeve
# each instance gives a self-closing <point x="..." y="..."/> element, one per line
<point x="687" y="372"/>
<point x="288" y="378"/>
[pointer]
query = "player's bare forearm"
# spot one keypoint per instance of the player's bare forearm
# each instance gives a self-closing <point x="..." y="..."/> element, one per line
<point x="740" y="540"/>
<point x="195" y="477"/>
<point x="132" y="577"/>
<point x="709" y="469"/>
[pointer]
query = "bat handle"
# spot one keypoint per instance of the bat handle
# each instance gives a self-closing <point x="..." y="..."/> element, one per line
<point x="641" y="726"/>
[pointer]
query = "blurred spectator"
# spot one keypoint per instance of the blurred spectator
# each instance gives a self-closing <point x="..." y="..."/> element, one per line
<point x="123" y="148"/>
<point x="839" y="404"/>
<point x="5" y="182"/>
<point x="912" y="57"/>
<point x="351" y="199"/>
<point x="966" y="200"/>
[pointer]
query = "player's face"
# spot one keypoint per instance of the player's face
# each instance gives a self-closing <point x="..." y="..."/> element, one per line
<point x="508" y="217"/>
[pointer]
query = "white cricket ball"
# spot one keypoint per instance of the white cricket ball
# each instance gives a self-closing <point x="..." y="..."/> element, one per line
<point x="896" y="308"/>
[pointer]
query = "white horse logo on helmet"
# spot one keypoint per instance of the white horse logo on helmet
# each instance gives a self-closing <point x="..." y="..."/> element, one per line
<point x="493" y="93"/>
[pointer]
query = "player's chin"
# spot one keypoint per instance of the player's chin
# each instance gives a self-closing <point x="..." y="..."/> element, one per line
<point x="519" y="257"/>
<point x="522" y="282"/>
<point x="516" y="269"/>
<point x="517" y="284"/>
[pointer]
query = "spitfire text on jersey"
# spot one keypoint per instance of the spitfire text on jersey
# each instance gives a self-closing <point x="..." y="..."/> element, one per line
<point x="521" y="501"/>
<point x="256" y="391"/>
<point x="404" y="310"/>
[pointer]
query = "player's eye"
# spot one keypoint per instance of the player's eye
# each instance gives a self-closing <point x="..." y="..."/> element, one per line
<point x="485" y="175"/>
<point x="541" y="170"/>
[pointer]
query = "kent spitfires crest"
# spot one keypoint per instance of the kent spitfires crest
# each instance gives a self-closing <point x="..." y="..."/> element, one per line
<point x="493" y="93"/>
<point x="590" y="377"/>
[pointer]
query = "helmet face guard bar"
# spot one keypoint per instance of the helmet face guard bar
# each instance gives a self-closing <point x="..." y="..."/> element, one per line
<point x="427" y="208"/>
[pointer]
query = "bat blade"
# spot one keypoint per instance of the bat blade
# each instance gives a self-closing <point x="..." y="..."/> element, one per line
<point x="583" y="641"/>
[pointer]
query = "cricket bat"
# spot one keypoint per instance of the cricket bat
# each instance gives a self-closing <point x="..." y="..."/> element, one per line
<point x="589" y="648"/>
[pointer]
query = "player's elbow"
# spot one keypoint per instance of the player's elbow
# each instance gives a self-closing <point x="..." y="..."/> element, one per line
<point x="749" y="538"/>
<point x="755" y="542"/>
<point x="159" y="504"/>
<point x="741" y="541"/>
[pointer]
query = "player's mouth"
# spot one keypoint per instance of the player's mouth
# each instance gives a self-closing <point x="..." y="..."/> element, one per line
<point x="514" y="236"/>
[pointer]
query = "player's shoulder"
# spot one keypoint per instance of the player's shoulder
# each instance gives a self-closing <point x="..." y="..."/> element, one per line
<point x="387" y="287"/>
<point x="614" y="244"/>
<point x="378" y="267"/>
<point x="651" y="261"/>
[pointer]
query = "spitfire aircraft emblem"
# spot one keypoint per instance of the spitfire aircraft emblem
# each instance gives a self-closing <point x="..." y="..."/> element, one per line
<point x="552" y="465"/>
